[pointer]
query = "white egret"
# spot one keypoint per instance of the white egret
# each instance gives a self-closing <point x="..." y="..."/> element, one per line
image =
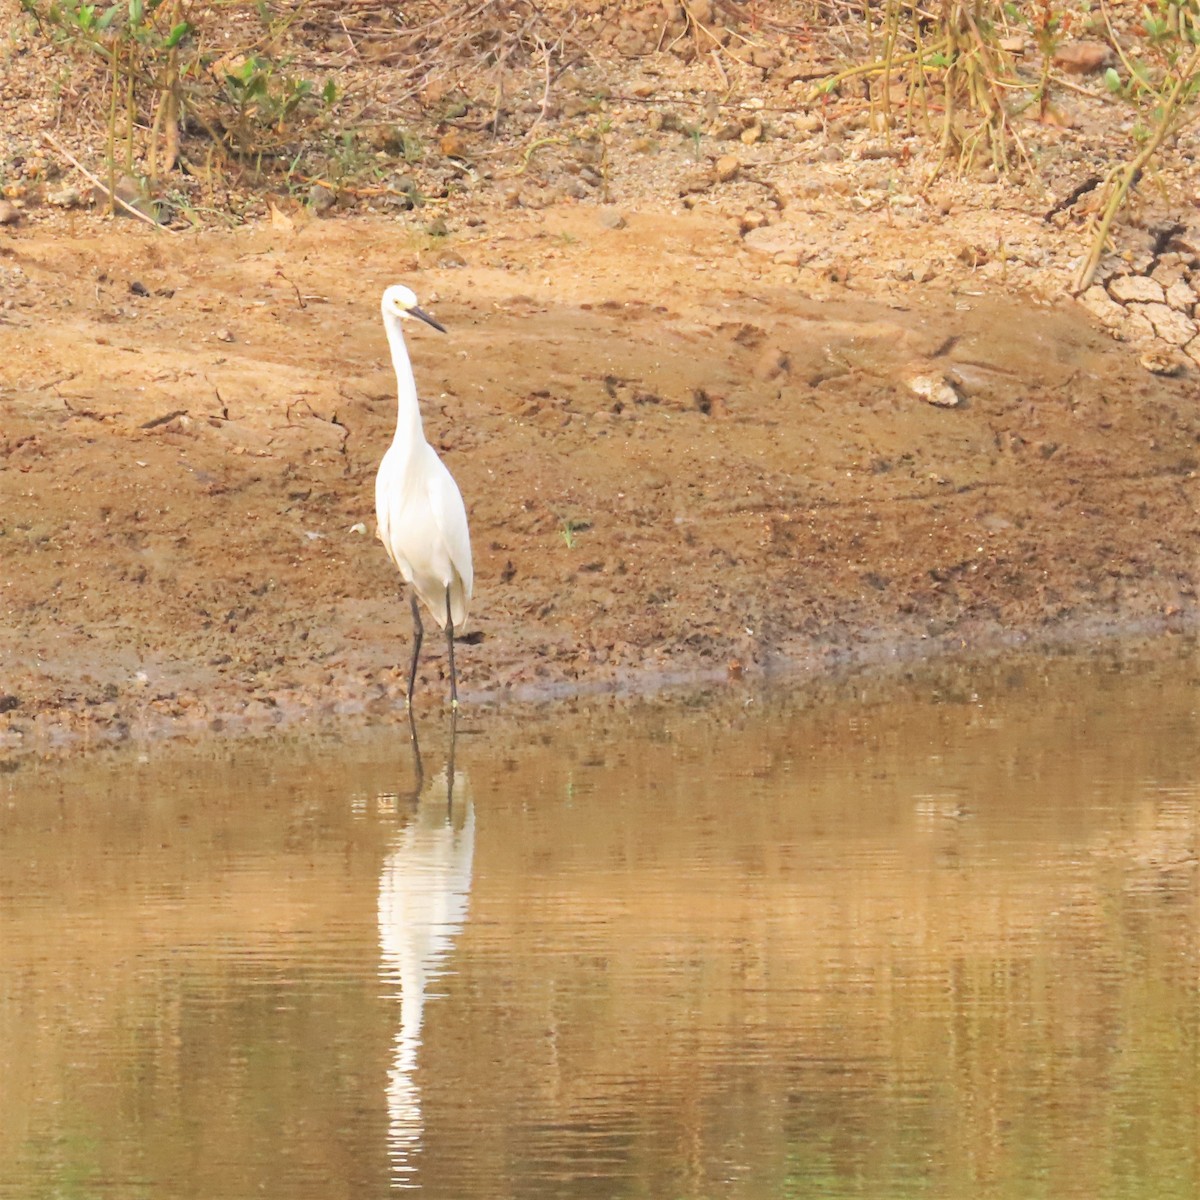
<point x="422" y="519"/>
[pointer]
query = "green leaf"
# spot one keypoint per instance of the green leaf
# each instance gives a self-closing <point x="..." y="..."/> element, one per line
<point x="1112" y="81"/>
<point x="329" y="91"/>
<point x="136" y="12"/>
<point x="177" y="34"/>
<point x="110" y="15"/>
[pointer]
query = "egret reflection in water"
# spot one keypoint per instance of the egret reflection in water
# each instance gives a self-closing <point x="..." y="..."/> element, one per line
<point x="423" y="894"/>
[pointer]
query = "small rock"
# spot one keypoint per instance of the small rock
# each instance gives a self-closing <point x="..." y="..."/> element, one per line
<point x="10" y="214"/>
<point x="925" y="270"/>
<point x="66" y="197"/>
<point x="321" y="198"/>
<point x="695" y="181"/>
<point x="830" y="154"/>
<point x="792" y="73"/>
<point x="545" y="197"/>
<point x="751" y="135"/>
<point x="225" y="335"/>
<point x="130" y="191"/>
<point x="931" y="386"/>
<point x="727" y="167"/>
<point x="752" y="219"/>
<point x="451" y="258"/>
<point x="453" y="145"/>
<point x="1161" y="360"/>
<point x="611" y="218"/>
<point x="771" y="240"/>
<point x="1082" y="58"/>
<point x="1136" y="289"/>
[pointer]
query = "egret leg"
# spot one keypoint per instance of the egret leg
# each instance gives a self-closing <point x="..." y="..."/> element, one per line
<point x="418" y="637"/>
<point x="450" y="644"/>
<point x="450" y="766"/>
<point x="418" y="764"/>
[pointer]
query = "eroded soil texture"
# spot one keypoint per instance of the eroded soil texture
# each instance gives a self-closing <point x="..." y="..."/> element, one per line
<point x="675" y="468"/>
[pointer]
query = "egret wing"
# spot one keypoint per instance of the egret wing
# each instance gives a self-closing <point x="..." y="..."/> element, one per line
<point x="450" y="518"/>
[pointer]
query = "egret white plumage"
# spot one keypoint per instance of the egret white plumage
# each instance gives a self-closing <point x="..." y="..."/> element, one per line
<point x="422" y="519"/>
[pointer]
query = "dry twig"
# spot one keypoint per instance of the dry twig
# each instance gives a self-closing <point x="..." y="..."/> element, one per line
<point x="129" y="208"/>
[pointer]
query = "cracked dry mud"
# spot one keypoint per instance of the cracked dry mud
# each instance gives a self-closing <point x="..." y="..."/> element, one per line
<point x="675" y="468"/>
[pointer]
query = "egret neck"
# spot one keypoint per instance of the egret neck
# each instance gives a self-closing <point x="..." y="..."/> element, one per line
<point x="409" y="430"/>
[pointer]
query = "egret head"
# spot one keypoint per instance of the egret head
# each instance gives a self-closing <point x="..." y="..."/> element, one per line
<point x="399" y="301"/>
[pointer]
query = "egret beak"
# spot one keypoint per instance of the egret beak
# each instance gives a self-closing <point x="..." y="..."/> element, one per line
<point x="424" y="316"/>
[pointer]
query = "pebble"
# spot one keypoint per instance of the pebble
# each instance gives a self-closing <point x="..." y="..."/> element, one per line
<point x="611" y="218"/>
<point x="9" y="213"/>
<point x="695" y="181"/>
<point x="1082" y="58"/>
<point x="727" y="168"/>
<point x="321" y="198"/>
<point x="453" y="145"/>
<point x="67" y="197"/>
<point x="1159" y="360"/>
<point x="129" y="191"/>
<point x="933" y="387"/>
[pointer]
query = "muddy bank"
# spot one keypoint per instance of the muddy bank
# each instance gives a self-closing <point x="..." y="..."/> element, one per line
<point x="676" y="466"/>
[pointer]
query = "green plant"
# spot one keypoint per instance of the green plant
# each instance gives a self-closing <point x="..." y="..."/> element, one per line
<point x="262" y="94"/>
<point x="160" y="75"/>
<point x="569" y="527"/>
<point x="955" y="49"/>
<point x="1162" y="84"/>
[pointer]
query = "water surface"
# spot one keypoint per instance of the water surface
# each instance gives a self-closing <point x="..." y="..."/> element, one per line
<point x="933" y="936"/>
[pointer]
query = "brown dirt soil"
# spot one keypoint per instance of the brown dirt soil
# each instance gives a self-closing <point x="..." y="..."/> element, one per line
<point x="674" y="468"/>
